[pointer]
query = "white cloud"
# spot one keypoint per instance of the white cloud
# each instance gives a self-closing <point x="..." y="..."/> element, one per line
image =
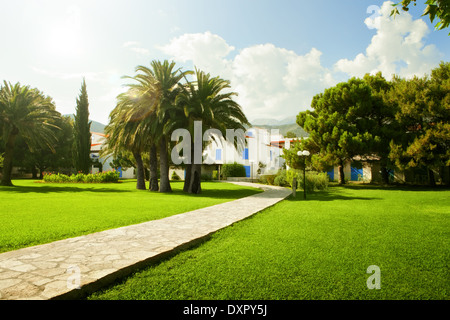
<point x="271" y="82"/>
<point x="207" y="51"/>
<point x="136" y="47"/>
<point x="277" y="83"/>
<point x="397" y="47"/>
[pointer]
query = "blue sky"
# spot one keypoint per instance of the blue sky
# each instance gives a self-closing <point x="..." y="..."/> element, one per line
<point x="277" y="54"/>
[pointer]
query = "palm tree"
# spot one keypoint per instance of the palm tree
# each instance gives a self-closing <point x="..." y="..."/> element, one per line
<point x="161" y="81"/>
<point x="25" y="112"/>
<point x="126" y="131"/>
<point x="208" y="100"/>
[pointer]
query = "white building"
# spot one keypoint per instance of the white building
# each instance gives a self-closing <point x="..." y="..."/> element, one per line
<point x="262" y="147"/>
<point x="97" y="141"/>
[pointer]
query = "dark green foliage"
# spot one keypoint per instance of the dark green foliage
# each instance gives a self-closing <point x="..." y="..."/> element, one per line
<point x="399" y="124"/>
<point x="175" y="176"/>
<point x="233" y="170"/>
<point x="424" y="118"/>
<point x="339" y="125"/>
<point x="82" y="133"/>
<point x="25" y="113"/>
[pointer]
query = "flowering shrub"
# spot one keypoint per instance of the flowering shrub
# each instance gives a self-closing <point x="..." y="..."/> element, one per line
<point x="100" y="177"/>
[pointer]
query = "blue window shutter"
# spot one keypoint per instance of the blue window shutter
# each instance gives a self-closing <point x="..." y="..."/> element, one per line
<point x="245" y="155"/>
<point x="218" y="154"/>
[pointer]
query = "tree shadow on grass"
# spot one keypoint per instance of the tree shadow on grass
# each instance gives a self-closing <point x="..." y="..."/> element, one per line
<point x="327" y="196"/>
<point x="394" y="187"/>
<point x="223" y="193"/>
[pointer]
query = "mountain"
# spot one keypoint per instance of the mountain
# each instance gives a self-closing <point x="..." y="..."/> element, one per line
<point x="286" y="125"/>
<point x="273" y="122"/>
<point x="95" y="125"/>
<point x="285" y="128"/>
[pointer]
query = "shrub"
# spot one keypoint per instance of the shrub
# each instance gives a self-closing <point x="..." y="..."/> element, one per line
<point x="281" y="178"/>
<point x="315" y="181"/>
<point x="175" y="176"/>
<point x="233" y="170"/>
<point x="206" y="177"/>
<point x="109" y="176"/>
<point x="56" y="177"/>
<point x="100" y="177"/>
<point x="267" y="179"/>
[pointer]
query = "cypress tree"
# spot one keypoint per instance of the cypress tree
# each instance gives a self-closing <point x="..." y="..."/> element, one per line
<point x="82" y="133"/>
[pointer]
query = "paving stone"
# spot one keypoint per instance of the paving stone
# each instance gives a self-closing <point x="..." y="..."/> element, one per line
<point x="52" y="270"/>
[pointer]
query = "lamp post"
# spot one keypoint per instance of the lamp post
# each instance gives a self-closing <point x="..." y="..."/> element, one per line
<point x="304" y="154"/>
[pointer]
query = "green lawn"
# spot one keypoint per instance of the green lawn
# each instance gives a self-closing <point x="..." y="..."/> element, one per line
<point x="34" y="213"/>
<point x="315" y="249"/>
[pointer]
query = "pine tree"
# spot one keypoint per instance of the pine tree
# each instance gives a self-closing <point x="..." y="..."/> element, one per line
<point x="82" y="134"/>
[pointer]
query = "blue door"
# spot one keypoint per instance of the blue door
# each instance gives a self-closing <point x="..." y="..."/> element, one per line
<point x="247" y="171"/>
<point x="331" y="174"/>
<point x="119" y="169"/>
<point x="356" y="174"/>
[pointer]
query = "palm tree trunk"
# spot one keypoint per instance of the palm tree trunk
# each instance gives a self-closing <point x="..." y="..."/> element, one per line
<point x="140" y="184"/>
<point x="188" y="171"/>
<point x="195" y="185"/>
<point x="164" y="166"/>
<point x="153" y="184"/>
<point x="187" y="178"/>
<point x="8" y="159"/>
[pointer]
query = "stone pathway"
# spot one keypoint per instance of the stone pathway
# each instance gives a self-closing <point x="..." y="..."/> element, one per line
<point x="70" y="268"/>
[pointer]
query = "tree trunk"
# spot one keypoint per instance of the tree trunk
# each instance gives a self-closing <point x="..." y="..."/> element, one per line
<point x="8" y="159"/>
<point x="164" y="166"/>
<point x="153" y="180"/>
<point x="384" y="175"/>
<point x="431" y="179"/>
<point x="341" y="173"/>
<point x="34" y="173"/>
<point x="188" y="171"/>
<point x="195" y="185"/>
<point x="187" y="178"/>
<point x="140" y="184"/>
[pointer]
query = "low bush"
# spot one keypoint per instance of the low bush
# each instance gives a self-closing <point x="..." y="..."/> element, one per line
<point x="315" y="181"/>
<point x="281" y="179"/>
<point x="267" y="179"/>
<point x="175" y="176"/>
<point x="206" y="177"/>
<point x="100" y="177"/>
<point x="233" y="170"/>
